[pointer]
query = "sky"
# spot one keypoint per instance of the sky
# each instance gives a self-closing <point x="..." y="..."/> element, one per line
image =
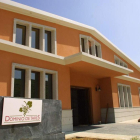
<point x="118" y="20"/>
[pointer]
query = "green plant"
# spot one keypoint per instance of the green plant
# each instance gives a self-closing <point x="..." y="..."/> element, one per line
<point x="135" y="138"/>
<point x="25" y="108"/>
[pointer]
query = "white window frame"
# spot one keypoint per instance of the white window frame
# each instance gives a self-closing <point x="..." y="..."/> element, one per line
<point x="123" y="96"/>
<point x="93" y="43"/>
<point x="42" y="71"/>
<point x="42" y="28"/>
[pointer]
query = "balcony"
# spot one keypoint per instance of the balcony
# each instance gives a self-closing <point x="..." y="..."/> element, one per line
<point x="97" y="67"/>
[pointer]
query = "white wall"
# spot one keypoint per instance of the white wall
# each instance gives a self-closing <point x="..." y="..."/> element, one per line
<point x="120" y="114"/>
<point x="67" y="120"/>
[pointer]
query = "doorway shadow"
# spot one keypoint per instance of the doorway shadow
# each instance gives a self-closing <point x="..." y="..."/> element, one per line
<point x="81" y="128"/>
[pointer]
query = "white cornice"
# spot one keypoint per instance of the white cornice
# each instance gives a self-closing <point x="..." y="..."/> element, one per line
<point x="30" y="52"/>
<point x="38" y="54"/>
<point x="96" y="61"/>
<point x="129" y="78"/>
<point x="33" y="12"/>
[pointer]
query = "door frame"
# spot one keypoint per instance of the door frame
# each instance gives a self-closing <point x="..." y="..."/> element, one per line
<point x="90" y="102"/>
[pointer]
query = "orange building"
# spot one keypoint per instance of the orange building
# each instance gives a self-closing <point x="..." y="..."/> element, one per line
<point x="50" y="57"/>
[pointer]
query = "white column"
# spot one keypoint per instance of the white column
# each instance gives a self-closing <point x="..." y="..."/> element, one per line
<point x="55" y="85"/>
<point x="86" y="45"/>
<point x="93" y="47"/>
<point x="29" y="35"/>
<point x="12" y="80"/>
<point x="54" y="42"/>
<point x="14" y="31"/>
<point x="42" y="39"/>
<point x="42" y="85"/>
<point x="28" y="83"/>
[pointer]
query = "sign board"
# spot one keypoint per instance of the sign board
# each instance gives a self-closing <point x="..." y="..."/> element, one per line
<point x="20" y="111"/>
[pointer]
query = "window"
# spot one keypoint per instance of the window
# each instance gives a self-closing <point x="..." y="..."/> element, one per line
<point x="19" y="83"/>
<point x="20" y="34"/>
<point x="124" y="93"/>
<point x="118" y="61"/>
<point x="35" y="84"/>
<point x="48" y="86"/>
<point x="35" y="38"/>
<point x="48" y="41"/>
<point x="90" y="46"/>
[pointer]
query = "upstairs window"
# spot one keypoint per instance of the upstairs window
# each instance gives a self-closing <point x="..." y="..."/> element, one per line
<point x="90" y="46"/>
<point x="48" y="47"/>
<point x="35" y="36"/>
<point x="118" y="61"/>
<point x="20" y="34"/>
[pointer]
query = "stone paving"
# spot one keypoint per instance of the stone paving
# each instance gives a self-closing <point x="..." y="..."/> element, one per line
<point x="116" y="128"/>
<point x="117" y="131"/>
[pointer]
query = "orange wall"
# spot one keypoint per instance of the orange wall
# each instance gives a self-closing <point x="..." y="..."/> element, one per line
<point x="67" y="44"/>
<point x="6" y="60"/>
<point x="67" y="38"/>
<point x="80" y="80"/>
<point x="134" y="92"/>
<point x="106" y="93"/>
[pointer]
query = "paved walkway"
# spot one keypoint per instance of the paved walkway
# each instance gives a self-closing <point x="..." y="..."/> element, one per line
<point x="125" y="130"/>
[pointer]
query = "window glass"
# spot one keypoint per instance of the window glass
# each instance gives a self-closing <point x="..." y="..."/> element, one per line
<point x="19" y="83"/>
<point x="83" y="44"/>
<point x="48" y="86"/>
<point x="35" y="84"/>
<point x="20" y="34"/>
<point x="48" y="41"/>
<point x="35" y="38"/>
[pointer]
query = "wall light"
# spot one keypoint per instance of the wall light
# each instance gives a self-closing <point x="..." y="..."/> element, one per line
<point x="98" y="88"/>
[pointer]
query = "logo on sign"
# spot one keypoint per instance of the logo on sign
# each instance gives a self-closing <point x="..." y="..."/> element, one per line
<point x="26" y="108"/>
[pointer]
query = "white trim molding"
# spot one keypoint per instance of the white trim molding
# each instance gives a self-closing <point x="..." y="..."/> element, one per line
<point x="128" y="78"/>
<point x="42" y="29"/>
<point x="38" y="54"/>
<point x="30" y="52"/>
<point x="42" y="71"/>
<point x="96" y="61"/>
